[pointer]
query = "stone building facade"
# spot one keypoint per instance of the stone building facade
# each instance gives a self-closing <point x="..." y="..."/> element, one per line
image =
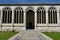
<point x="25" y="17"/>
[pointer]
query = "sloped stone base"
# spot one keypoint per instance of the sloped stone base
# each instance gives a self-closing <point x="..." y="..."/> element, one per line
<point x="48" y="29"/>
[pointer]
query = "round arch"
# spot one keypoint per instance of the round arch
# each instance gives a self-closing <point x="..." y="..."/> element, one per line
<point x="52" y="15"/>
<point x="18" y="15"/>
<point x="7" y="15"/>
<point x="41" y="15"/>
<point x="7" y="8"/>
<point x="52" y="8"/>
<point x="40" y="8"/>
<point x="30" y="19"/>
<point x="29" y="8"/>
<point x="18" y="8"/>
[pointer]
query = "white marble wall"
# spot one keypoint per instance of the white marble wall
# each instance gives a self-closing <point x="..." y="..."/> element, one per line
<point x="43" y="27"/>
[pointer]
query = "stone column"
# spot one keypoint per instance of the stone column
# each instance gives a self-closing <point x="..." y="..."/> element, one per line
<point x="25" y="20"/>
<point x="35" y="19"/>
<point x="12" y="17"/>
<point x="58" y="18"/>
<point x="47" y="18"/>
<point x="47" y="24"/>
<point x="1" y="16"/>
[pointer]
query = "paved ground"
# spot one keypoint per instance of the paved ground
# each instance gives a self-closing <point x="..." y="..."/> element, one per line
<point x="29" y="35"/>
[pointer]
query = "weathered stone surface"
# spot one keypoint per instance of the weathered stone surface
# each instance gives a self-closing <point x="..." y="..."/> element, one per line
<point x="31" y="35"/>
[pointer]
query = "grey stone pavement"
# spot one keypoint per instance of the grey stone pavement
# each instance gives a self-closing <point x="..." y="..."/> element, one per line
<point x="29" y="35"/>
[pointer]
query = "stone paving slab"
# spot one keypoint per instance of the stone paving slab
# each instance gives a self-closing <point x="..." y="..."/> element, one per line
<point x="30" y="35"/>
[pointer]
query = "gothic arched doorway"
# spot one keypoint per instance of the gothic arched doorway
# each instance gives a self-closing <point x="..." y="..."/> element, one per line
<point x="30" y="19"/>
